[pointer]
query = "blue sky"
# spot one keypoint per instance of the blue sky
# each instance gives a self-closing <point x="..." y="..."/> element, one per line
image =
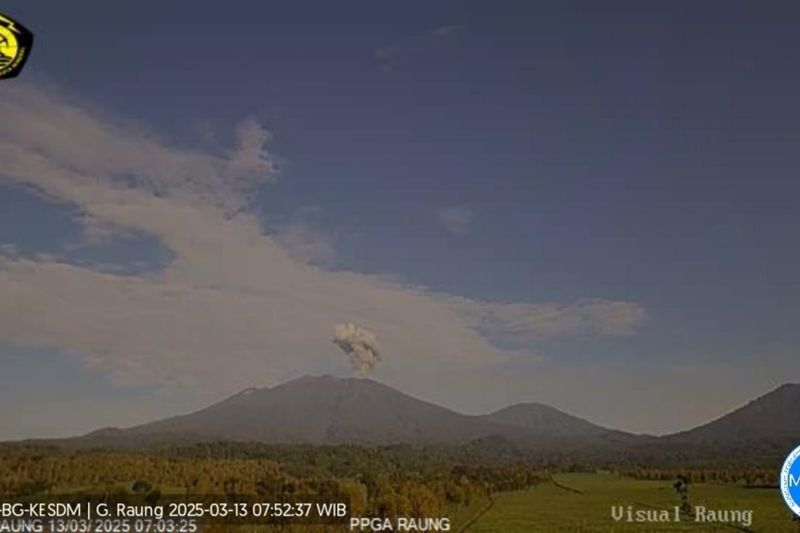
<point x="538" y="154"/>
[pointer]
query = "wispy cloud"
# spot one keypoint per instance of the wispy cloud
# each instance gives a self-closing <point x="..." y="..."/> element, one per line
<point x="456" y="219"/>
<point x="306" y="238"/>
<point x="9" y="249"/>
<point x="444" y="31"/>
<point x="235" y="306"/>
<point x="525" y="321"/>
<point x="388" y="56"/>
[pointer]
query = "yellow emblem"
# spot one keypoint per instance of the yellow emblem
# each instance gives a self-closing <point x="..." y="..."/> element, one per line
<point x="15" y="46"/>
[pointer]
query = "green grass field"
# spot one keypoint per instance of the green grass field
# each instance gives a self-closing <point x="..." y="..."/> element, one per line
<point x="550" y="508"/>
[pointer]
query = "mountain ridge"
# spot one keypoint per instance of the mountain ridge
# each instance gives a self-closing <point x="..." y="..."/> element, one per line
<point x="321" y="410"/>
<point x="329" y="410"/>
<point x="770" y="418"/>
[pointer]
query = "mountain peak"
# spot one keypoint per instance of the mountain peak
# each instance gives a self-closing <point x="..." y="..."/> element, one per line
<point x="786" y="387"/>
<point x="322" y="378"/>
<point x="545" y="419"/>
<point x="325" y="409"/>
<point x="329" y="410"/>
<point x="772" y="417"/>
<point x="326" y="380"/>
<point x="316" y="377"/>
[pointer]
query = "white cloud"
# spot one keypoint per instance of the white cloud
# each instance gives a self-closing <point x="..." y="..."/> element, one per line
<point x="9" y="249"/>
<point x="306" y="237"/>
<point x="306" y="244"/>
<point x="99" y="153"/>
<point x="235" y="307"/>
<point x="532" y="321"/>
<point x="250" y="159"/>
<point x="456" y="219"/>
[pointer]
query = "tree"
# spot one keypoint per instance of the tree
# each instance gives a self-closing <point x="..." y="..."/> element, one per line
<point x="681" y="486"/>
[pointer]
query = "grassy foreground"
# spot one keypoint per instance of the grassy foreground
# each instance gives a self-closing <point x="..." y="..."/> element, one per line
<point x="475" y="491"/>
<point x="553" y="508"/>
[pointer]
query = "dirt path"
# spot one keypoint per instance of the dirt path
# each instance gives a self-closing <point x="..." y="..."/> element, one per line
<point x="490" y="505"/>
<point x="479" y="515"/>
<point x="565" y="487"/>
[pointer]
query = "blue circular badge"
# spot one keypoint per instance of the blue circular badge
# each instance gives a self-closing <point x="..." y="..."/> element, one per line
<point x="790" y="481"/>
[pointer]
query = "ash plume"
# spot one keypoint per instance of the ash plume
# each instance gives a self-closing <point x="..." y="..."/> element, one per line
<point x="360" y="344"/>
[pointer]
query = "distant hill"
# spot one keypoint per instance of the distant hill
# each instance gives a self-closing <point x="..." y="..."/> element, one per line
<point x="770" y="420"/>
<point x="546" y="420"/>
<point x="329" y="410"/>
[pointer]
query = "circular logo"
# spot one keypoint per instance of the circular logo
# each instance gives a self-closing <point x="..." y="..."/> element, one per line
<point x="15" y="46"/>
<point x="790" y="481"/>
<point x="8" y="46"/>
